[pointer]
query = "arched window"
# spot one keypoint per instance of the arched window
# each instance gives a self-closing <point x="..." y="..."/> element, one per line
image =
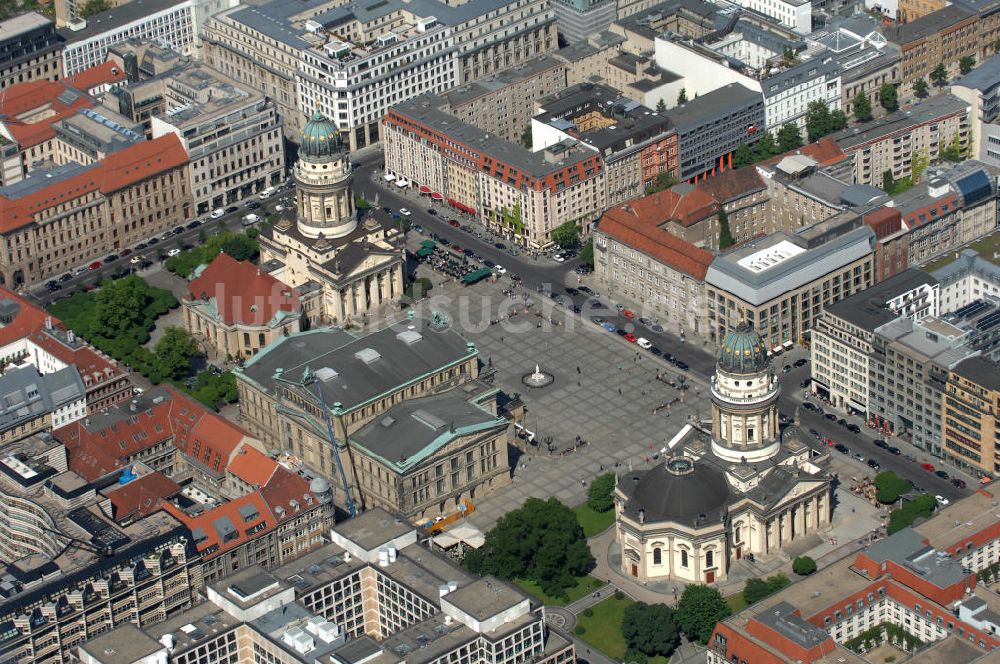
<point x="657" y="556"/>
<point x="709" y="558"/>
<point x="737" y="534"/>
<point x="750" y="435"/>
<point x="684" y="558"/>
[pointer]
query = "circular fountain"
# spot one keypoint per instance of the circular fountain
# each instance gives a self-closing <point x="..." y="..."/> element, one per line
<point x="538" y="378"/>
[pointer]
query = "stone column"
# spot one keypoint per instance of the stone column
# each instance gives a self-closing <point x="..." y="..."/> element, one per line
<point x="696" y="562"/>
<point x="384" y="286"/>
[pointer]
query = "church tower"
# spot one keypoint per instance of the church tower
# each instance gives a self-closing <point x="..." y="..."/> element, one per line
<point x="323" y="178"/>
<point x="744" y="400"/>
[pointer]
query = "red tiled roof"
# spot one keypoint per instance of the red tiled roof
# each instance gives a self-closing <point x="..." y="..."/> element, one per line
<point x="252" y="466"/>
<point x="31" y="108"/>
<point x="105" y="73"/>
<point x="141" y="497"/>
<point x="825" y="152"/>
<point x="730" y="185"/>
<point x="638" y="227"/>
<point x="243" y="294"/>
<point x="942" y="207"/>
<point x="117" y="171"/>
<point x="29" y="319"/>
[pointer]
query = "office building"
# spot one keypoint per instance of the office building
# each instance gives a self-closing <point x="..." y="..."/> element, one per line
<point x="520" y="194"/>
<point x="29" y="50"/>
<point x="324" y="244"/>
<point x="970" y="412"/>
<point x="31" y="336"/>
<point x="638" y="261"/>
<point x="127" y="197"/>
<point x="36" y="402"/>
<point x="578" y="19"/>
<point x="782" y="283"/>
<point x="942" y="36"/>
<point x="237" y="309"/>
<point x="231" y="132"/>
<point x="842" y="338"/>
<point x="86" y="41"/>
<point x="372" y="595"/>
<point x="353" y="63"/>
<point x="980" y="89"/>
<point x="635" y="143"/>
<point x="711" y="127"/>
<point x="970" y="277"/>
<point x="385" y="369"/>
<point x="897" y="141"/>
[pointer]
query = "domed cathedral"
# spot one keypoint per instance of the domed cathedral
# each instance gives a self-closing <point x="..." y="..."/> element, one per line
<point x="727" y="487"/>
<point x="326" y="243"/>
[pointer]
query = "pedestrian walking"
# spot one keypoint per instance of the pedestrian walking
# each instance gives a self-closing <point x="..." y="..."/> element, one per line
<point x="578" y="370"/>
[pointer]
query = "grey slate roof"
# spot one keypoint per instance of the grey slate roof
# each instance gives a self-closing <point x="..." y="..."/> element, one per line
<point x="797" y="75"/>
<point x="867" y="309"/>
<point x="926" y="25"/>
<point x="968" y="261"/>
<point x="25" y="394"/>
<point x="782" y="619"/>
<point x="716" y="104"/>
<point x="899" y="121"/>
<point x="422" y="425"/>
<point x="759" y="287"/>
<point x="981" y="371"/>
<point x="907" y="548"/>
<point x="330" y="352"/>
<point x="983" y="77"/>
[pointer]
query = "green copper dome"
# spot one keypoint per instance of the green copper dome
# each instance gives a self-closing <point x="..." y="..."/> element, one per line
<point x="320" y="138"/>
<point x="743" y="351"/>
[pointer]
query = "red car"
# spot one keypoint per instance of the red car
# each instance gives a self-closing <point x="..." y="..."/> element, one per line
<point x="929" y="467"/>
<point x="457" y="248"/>
<point x="454" y="223"/>
<point x="628" y="313"/>
<point x="630" y="337"/>
<point x="125" y="252"/>
<point x="96" y="265"/>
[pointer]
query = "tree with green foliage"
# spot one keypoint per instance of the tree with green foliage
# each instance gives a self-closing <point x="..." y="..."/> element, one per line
<point x="789" y="137"/>
<point x="587" y="253"/>
<point x="889" y="487"/>
<point x="526" y="139"/>
<point x="838" y="120"/>
<point x="698" y="610"/>
<point x="757" y="589"/>
<point x="919" y="507"/>
<point x="682" y="96"/>
<point x="651" y="629"/>
<point x="766" y="147"/>
<point x="743" y="156"/>
<point x="954" y="151"/>
<point x="920" y="163"/>
<point x="725" y="234"/>
<point x="661" y="106"/>
<point x="996" y="46"/>
<point x="966" y="64"/>
<point x="862" y="108"/>
<point x="888" y="181"/>
<point x="91" y="7"/>
<point x="215" y="389"/>
<point x="567" y="234"/>
<point x="888" y="97"/>
<point x="119" y="306"/>
<point x="241" y="246"/>
<point x="920" y="87"/>
<point x="804" y="566"/>
<point x="600" y="495"/>
<point x="662" y="181"/>
<point x="541" y="542"/>
<point x="174" y="352"/>
<point x="819" y="121"/>
<point x="939" y="75"/>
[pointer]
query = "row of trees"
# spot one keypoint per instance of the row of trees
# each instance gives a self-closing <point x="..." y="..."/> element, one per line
<point x="757" y="589"/>
<point x="920" y="507"/>
<point x="241" y="246"/>
<point x="789" y="138"/>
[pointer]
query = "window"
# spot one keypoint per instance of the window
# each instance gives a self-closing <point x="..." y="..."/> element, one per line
<point x="684" y="558"/>
<point x="709" y="558"/>
<point x="657" y="556"/>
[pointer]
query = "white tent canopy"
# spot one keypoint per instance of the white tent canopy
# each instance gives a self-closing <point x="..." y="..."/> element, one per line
<point x="402" y="182"/>
<point x="389" y="177"/>
<point x="464" y="533"/>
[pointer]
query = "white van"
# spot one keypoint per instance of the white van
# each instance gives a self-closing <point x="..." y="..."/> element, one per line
<point x="250" y="219"/>
<point x="267" y="193"/>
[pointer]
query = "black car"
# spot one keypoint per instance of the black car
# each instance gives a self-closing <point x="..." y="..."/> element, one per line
<point x="872" y="463"/>
<point x="815" y="434"/>
<point x="139" y="247"/>
<point x="431" y="211"/>
<point x="576" y="308"/>
<point x="489" y="263"/>
<point x="808" y="405"/>
<point x="111" y="258"/>
<point x="842" y="422"/>
<point x="881" y="443"/>
<point x="586" y="289"/>
<point x="645" y="322"/>
<point x="152" y="241"/>
<point x="804" y="384"/>
<point x="66" y="277"/>
<point x="786" y="368"/>
<point x="501" y="246"/>
<point x="233" y="208"/>
<point x="671" y="358"/>
<point x="841" y="448"/>
<point x="253" y="205"/>
<point x="854" y="428"/>
<point x="178" y="230"/>
<point x="655" y="351"/>
<point x="895" y="451"/>
<point x="572" y="291"/>
<point x="621" y="332"/>
<point x="942" y="474"/>
<point x="386" y="209"/>
<point x="194" y="224"/>
<point x="598" y="321"/>
<point x="682" y="365"/>
<point x="468" y="252"/>
<point x="594" y="304"/>
<point x="958" y="484"/>
<point x="51" y="285"/>
<point x="801" y="362"/>
<point x="831" y="417"/>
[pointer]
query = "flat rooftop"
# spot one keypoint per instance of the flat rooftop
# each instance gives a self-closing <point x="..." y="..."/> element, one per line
<point x="485" y="598"/>
<point x="125" y="644"/>
<point x="191" y="627"/>
<point x="18" y="25"/>
<point x="971" y="515"/>
<point x="953" y="650"/>
<point x="868" y="309"/>
<point x="373" y="528"/>
<point x="197" y="92"/>
<point x="117" y="17"/>
<point x="899" y="122"/>
<point x="717" y="104"/>
<point x="907" y="549"/>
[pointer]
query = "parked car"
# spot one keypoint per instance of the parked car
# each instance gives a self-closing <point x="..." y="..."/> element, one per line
<point x="682" y="365"/>
<point x="173" y="252"/>
<point x="942" y="474"/>
<point x="854" y="428"/>
<point x="253" y="205"/>
<point x="841" y="448"/>
<point x="929" y="467"/>
<point x="895" y="451"/>
<point x="958" y="484"/>
<point x="655" y="351"/>
<point x="232" y="208"/>
<point x="138" y="258"/>
<point x="217" y="212"/>
<point x="66" y="277"/>
<point x="942" y="501"/>
<point x="630" y="337"/>
<point x="250" y="219"/>
<point x="431" y="211"/>
<point x="643" y="342"/>
<point x="500" y="269"/>
<point x="872" y="463"/>
<point x="96" y="265"/>
<point x="194" y="224"/>
<point x="111" y="258"/>
<point x="405" y="212"/>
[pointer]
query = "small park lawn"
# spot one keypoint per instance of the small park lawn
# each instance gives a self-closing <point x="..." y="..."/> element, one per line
<point x="592" y="522"/>
<point x="736" y="603"/>
<point x="604" y="628"/>
<point x="584" y="586"/>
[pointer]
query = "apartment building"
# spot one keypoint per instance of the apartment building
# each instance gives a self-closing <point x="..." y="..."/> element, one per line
<point x="894" y="142"/>
<point x="31" y="336"/>
<point x="230" y="131"/>
<point x="711" y="127"/>
<point x="385" y="369"/>
<point x="788" y="93"/>
<point x="66" y="215"/>
<point x="658" y="273"/>
<point x="86" y="41"/>
<point x="29" y="50"/>
<point x="910" y="580"/>
<point x="520" y="194"/>
<point x="782" y="283"/>
<point x="39" y="402"/>
<point x="636" y="144"/>
<point x="967" y="279"/>
<point x="503" y="103"/>
<point x="352" y="64"/>
<point x="970" y="412"/>
<point x="841" y="340"/>
<point x="373" y="594"/>
<point x="980" y="89"/>
<point x="238" y="310"/>
<point x="942" y="36"/>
